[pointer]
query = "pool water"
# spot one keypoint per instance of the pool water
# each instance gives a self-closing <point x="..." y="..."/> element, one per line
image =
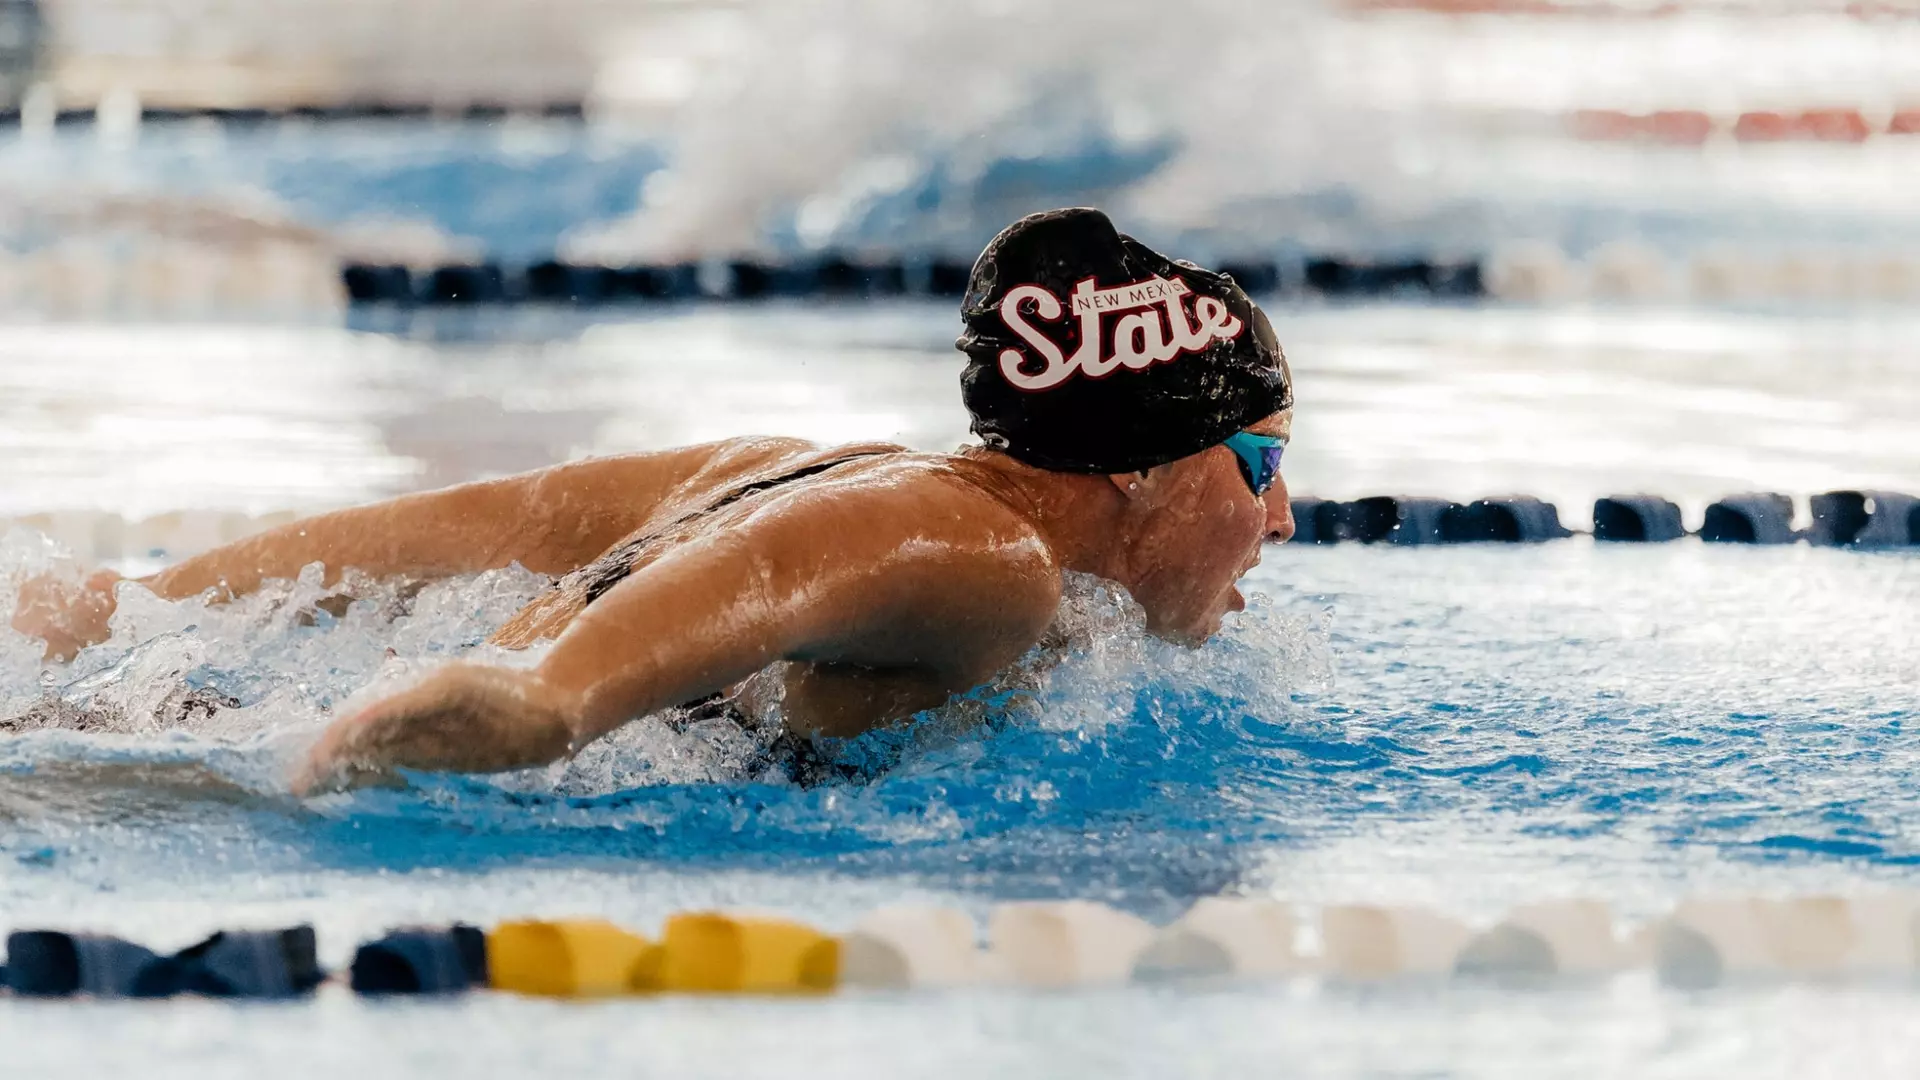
<point x="1466" y="728"/>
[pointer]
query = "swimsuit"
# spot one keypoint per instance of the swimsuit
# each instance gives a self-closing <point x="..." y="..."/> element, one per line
<point x="796" y="756"/>
<point x="596" y="578"/>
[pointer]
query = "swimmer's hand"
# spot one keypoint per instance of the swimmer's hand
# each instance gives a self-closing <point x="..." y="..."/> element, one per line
<point x="462" y="718"/>
<point x="67" y="616"/>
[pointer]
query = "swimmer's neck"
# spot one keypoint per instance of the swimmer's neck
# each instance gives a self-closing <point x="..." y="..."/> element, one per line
<point x="1082" y="517"/>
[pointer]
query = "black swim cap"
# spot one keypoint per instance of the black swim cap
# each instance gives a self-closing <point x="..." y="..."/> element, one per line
<point x="1088" y="351"/>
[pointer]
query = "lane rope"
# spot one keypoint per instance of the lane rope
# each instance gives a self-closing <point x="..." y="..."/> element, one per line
<point x="1035" y="945"/>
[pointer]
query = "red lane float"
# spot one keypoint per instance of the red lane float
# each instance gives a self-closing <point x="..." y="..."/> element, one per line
<point x="1810" y="125"/>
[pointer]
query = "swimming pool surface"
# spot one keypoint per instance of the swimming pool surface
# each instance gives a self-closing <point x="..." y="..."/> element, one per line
<point x="1465" y="728"/>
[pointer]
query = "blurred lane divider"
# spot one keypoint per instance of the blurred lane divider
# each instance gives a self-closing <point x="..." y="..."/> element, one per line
<point x="1695" y="127"/>
<point x="1705" y="942"/>
<point x="229" y="964"/>
<point x="183" y="279"/>
<point x="843" y="277"/>
<point x="1633" y="272"/>
<point x="1049" y="946"/>
<point x="172" y="279"/>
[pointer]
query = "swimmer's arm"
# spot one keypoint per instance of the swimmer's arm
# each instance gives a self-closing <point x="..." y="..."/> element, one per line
<point x="549" y="521"/>
<point x="700" y="620"/>
<point x="926" y="624"/>
<point x="430" y="535"/>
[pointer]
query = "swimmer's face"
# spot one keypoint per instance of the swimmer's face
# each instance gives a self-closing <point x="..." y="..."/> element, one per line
<point x="1199" y="529"/>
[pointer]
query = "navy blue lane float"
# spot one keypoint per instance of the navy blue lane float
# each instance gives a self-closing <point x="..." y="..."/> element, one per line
<point x="1318" y="521"/>
<point x="1417" y="277"/>
<point x="241" y="964"/>
<point x="1637" y="519"/>
<point x="466" y="285"/>
<point x="1514" y="519"/>
<point x="48" y="963"/>
<point x="370" y="284"/>
<point x="1864" y="519"/>
<point x="834" y="276"/>
<point x="234" y="964"/>
<point x="1408" y="520"/>
<point x="1397" y="520"/>
<point x="422" y="960"/>
<point x="1757" y="518"/>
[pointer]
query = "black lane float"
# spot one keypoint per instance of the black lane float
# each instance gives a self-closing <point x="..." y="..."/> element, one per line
<point x="837" y="275"/>
<point x="1850" y="519"/>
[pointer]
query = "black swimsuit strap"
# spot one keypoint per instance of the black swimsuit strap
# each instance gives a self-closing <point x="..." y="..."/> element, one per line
<point x="610" y="569"/>
<point x="794" y="755"/>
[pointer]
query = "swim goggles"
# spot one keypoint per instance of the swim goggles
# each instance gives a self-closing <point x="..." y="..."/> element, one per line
<point x="1259" y="458"/>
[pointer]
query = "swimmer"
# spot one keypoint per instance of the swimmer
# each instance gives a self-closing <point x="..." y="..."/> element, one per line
<point x="1131" y="409"/>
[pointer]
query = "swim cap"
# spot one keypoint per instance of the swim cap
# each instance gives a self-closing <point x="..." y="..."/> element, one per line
<point x="1088" y="351"/>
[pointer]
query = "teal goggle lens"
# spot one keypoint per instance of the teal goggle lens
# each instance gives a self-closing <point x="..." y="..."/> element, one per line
<point x="1259" y="457"/>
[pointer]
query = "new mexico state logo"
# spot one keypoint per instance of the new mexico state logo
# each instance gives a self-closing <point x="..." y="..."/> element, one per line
<point x="1141" y="338"/>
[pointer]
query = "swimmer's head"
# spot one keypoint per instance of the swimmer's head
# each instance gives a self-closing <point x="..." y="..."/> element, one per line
<point x="1190" y="529"/>
<point x="1089" y="352"/>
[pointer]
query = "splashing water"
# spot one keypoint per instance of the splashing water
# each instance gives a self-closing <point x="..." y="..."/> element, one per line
<point x="1232" y="129"/>
<point x="244" y="687"/>
<point x="843" y="122"/>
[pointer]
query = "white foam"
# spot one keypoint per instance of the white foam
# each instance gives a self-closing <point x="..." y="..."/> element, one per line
<point x="825" y="109"/>
<point x="273" y="668"/>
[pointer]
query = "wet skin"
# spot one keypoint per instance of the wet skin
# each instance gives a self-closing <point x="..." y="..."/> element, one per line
<point x="873" y="590"/>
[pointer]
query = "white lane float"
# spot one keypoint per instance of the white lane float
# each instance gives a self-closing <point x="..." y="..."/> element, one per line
<point x="1223" y="937"/>
<point x="1564" y="937"/>
<point x="1704" y="942"/>
<point x="1628" y="270"/>
<point x="899" y="948"/>
<point x="1362" y="941"/>
<point x="1532" y="273"/>
<point x="1061" y="944"/>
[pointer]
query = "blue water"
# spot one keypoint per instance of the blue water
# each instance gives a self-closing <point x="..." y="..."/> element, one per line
<point x="514" y="189"/>
<point x="1467" y="728"/>
<point x="1632" y="723"/>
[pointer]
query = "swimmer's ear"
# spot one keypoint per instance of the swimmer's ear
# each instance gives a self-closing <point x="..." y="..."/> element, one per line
<point x="1145" y="484"/>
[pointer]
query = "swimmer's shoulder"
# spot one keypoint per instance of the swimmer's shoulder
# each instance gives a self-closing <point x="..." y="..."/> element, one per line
<point x="932" y="517"/>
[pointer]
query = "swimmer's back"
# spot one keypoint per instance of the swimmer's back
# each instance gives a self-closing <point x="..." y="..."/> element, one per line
<point x="819" y="493"/>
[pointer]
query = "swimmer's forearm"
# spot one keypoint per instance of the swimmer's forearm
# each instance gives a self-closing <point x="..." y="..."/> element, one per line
<point x="434" y="535"/>
<point x="550" y="521"/>
<point x="673" y="635"/>
<point x="631" y="654"/>
<point x="463" y="718"/>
